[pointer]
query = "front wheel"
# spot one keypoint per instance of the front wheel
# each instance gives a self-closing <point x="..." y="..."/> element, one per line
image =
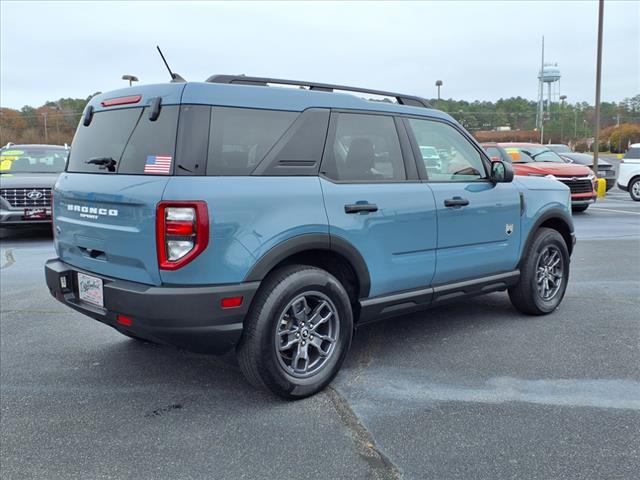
<point x="543" y="275"/>
<point x="297" y="332"/>
<point x="634" y="190"/>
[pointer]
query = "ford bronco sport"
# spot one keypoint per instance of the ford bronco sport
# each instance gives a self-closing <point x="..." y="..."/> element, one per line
<point x="238" y="214"/>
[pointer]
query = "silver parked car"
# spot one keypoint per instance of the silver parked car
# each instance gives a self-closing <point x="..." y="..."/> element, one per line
<point x="27" y="175"/>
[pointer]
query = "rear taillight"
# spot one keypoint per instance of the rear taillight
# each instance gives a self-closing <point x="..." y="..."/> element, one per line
<point x="182" y="232"/>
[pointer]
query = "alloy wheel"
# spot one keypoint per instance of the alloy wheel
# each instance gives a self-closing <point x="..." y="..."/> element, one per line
<point x="306" y="334"/>
<point x="549" y="272"/>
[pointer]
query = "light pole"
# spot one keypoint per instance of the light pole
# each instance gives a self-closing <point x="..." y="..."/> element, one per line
<point x="562" y="99"/>
<point x="598" y="76"/>
<point x="131" y="78"/>
<point x="438" y="84"/>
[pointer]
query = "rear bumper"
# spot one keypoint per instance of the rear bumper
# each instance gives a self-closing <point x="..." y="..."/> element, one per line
<point x="189" y="317"/>
<point x="623" y="187"/>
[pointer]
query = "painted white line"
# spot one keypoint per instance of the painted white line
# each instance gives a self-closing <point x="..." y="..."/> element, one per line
<point x="612" y="210"/>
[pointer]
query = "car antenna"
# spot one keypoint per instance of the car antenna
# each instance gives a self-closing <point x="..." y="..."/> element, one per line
<point x="175" y="77"/>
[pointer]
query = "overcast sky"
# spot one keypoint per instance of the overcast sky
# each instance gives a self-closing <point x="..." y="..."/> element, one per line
<point x="480" y="50"/>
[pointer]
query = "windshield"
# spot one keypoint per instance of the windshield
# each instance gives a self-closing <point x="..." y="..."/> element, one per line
<point x="536" y="154"/>
<point x="33" y="160"/>
<point x="559" y="148"/>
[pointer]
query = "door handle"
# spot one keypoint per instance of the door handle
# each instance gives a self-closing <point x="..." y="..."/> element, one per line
<point x="456" y="202"/>
<point x="360" y="207"/>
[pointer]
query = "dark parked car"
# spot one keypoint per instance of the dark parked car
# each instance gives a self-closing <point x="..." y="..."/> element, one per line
<point x="605" y="169"/>
<point x="28" y="173"/>
<point x="560" y="148"/>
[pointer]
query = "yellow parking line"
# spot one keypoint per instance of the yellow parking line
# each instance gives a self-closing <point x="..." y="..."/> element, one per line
<point x="612" y="210"/>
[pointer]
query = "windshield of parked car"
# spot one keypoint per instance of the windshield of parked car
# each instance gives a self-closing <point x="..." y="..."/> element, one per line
<point x="429" y="152"/>
<point x="33" y="160"/>
<point x="559" y="148"/>
<point x="537" y="154"/>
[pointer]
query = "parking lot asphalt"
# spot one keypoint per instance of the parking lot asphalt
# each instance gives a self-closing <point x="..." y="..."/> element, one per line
<point x="474" y="390"/>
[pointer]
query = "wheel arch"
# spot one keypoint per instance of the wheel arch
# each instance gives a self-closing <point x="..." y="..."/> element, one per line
<point x="557" y="220"/>
<point x="631" y="182"/>
<point x="332" y="253"/>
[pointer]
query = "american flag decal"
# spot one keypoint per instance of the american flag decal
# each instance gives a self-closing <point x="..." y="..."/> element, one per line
<point x="158" y="164"/>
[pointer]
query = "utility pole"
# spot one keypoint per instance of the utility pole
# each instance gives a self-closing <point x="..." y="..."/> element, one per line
<point x="562" y="99"/>
<point x="46" y="133"/>
<point x="541" y="95"/>
<point x="598" y="77"/>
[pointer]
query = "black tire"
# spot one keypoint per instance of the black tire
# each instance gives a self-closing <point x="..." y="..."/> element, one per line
<point x="259" y="357"/>
<point x="579" y="208"/>
<point x="526" y="295"/>
<point x="634" y="189"/>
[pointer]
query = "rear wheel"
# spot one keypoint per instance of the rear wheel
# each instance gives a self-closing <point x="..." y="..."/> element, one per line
<point x="297" y="333"/>
<point x="634" y="189"/>
<point x="543" y="275"/>
<point x="579" y="208"/>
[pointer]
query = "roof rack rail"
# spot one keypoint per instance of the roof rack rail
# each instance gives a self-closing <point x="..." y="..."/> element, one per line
<point x="401" y="98"/>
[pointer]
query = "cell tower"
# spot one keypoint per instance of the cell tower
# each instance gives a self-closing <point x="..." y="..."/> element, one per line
<point x="550" y="75"/>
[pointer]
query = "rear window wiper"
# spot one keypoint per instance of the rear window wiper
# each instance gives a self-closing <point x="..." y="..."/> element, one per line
<point x="104" y="163"/>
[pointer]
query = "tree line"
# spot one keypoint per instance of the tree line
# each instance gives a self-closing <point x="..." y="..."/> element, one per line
<point x="55" y="121"/>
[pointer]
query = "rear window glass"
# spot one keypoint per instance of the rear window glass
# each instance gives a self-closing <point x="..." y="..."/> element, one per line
<point x="241" y="137"/>
<point x="135" y="143"/>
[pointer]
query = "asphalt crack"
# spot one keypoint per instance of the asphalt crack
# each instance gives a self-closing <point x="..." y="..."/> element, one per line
<point x="381" y="466"/>
<point x="161" y="411"/>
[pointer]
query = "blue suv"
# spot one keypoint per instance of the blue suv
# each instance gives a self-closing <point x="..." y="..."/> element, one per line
<point x="237" y="213"/>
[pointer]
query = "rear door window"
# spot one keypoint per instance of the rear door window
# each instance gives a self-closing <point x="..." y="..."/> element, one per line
<point x="137" y="144"/>
<point x="241" y="137"/>
<point x="365" y="148"/>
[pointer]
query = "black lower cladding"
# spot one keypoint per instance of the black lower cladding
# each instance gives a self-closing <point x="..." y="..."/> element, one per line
<point x="400" y="303"/>
<point x="189" y="317"/>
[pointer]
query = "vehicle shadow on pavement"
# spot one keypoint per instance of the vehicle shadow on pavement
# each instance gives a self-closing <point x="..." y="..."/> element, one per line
<point x="144" y="364"/>
<point x="26" y="235"/>
<point x="392" y="338"/>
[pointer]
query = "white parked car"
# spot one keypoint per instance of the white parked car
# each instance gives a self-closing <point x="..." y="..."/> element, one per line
<point x="629" y="172"/>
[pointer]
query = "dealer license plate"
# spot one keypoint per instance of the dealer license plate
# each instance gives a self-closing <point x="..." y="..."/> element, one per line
<point x="90" y="289"/>
<point x="35" y="214"/>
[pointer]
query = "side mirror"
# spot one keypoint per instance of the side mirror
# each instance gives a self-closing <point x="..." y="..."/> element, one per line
<point x="501" y="172"/>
